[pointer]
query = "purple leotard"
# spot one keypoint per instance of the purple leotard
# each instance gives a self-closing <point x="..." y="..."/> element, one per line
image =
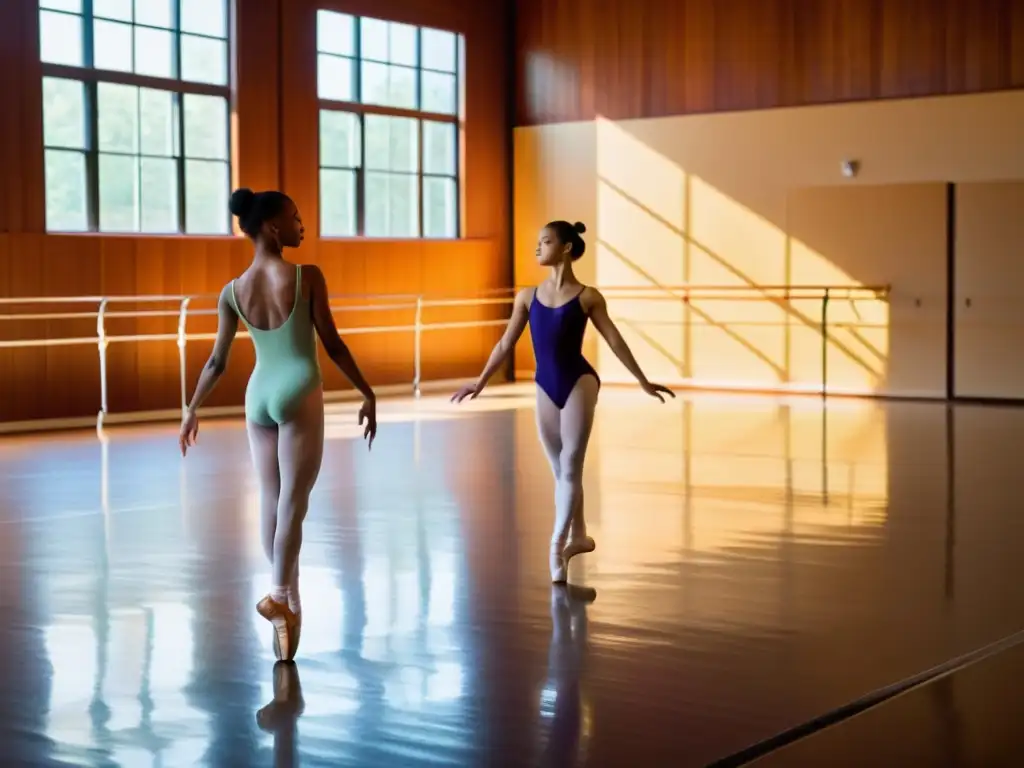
<point x="557" y="334"/>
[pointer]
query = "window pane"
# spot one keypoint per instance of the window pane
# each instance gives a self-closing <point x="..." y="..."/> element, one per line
<point x="205" y="17"/>
<point x="118" y="118"/>
<point x="392" y="205"/>
<point x="373" y="39"/>
<point x="389" y="86"/>
<point x="158" y="124"/>
<point x="206" y="198"/>
<point x="159" y="195"/>
<point x="113" y="46"/>
<point x="402" y="44"/>
<point x="438" y="93"/>
<point x="66" y="197"/>
<point x="72" y="6"/>
<point x="335" y="33"/>
<point x="113" y="9"/>
<point x="339" y="139"/>
<point x="154" y="52"/>
<point x="374" y="83"/>
<point x="438" y="50"/>
<point x="63" y="113"/>
<point x="439" y="148"/>
<point x="204" y="60"/>
<point x="206" y="127"/>
<point x="337" y="203"/>
<point x="60" y="39"/>
<point x="119" y="193"/>
<point x="155" y="13"/>
<point x="335" y="78"/>
<point x="392" y="143"/>
<point x="439" y="207"/>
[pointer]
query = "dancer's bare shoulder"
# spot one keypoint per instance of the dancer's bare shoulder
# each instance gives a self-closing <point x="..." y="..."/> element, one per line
<point x="523" y="297"/>
<point x="592" y="300"/>
<point x="312" y="276"/>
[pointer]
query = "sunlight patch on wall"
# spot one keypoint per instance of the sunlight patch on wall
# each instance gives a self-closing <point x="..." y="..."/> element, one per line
<point x="656" y="185"/>
<point x="737" y="246"/>
<point x="640" y="246"/>
<point x="660" y="228"/>
<point x="858" y="329"/>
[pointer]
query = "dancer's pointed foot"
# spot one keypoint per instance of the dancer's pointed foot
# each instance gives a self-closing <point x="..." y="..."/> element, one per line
<point x="557" y="563"/>
<point x="577" y="546"/>
<point x="296" y="635"/>
<point x="285" y="626"/>
<point x="562" y="553"/>
<point x="295" y="606"/>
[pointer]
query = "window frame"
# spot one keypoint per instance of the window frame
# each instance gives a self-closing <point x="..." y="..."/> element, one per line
<point x="360" y="110"/>
<point x="90" y="77"/>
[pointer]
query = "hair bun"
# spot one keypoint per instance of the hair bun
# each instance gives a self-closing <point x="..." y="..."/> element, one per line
<point x="580" y="227"/>
<point x="241" y="202"/>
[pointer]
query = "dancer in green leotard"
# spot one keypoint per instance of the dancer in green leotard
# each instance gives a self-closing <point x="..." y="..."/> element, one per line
<point x="284" y="307"/>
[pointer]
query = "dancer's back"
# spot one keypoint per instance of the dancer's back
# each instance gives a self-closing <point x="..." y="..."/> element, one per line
<point x="269" y="299"/>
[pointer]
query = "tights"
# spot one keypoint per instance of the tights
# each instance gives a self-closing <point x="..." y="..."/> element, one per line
<point x="564" y="434"/>
<point x="287" y="459"/>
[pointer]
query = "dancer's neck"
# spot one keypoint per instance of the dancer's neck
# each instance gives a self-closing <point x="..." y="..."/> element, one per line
<point x="266" y="252"/>
<point x="562" y="274"/>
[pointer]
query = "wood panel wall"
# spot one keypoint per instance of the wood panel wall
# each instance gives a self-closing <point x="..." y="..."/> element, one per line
<point x="577" y="59"/>
<point x="275" y="131"/>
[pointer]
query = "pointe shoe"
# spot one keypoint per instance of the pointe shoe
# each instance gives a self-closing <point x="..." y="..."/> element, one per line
<point x="285" y="626"/>
<point x="558" y="565"/>
<point x="296" y="635"/>
<point x="578" y="546"/>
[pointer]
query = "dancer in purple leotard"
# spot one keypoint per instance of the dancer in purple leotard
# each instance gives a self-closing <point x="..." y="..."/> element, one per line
<point x="557" y="311"/>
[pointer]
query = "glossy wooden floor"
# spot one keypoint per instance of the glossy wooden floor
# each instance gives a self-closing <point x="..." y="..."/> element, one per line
<point x="759" y="562"/>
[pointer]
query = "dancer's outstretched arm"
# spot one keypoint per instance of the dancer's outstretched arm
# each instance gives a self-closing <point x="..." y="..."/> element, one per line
<point x="338" y="350"/>
<point x="504" y="347"/>
<point x="597" y="308"/>
<point x="227" y="327"/>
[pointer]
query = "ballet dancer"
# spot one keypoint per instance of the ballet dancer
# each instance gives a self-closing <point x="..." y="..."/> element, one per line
<point x="567" y="385"/>
<point x="283" y="305"/>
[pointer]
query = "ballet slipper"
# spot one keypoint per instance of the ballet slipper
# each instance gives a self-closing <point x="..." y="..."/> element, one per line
<point x="578" y="546"/>
<point x="285" y="623"/>
<point x="295" y="640"/>
<point x="296" y="635"/>
<point x="557" y="564"/>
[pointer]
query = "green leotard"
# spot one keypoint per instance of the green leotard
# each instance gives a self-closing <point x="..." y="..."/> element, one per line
<point x="287" y="369"/>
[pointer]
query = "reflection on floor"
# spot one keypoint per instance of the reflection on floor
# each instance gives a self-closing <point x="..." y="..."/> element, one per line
<point x="759" y="561"/>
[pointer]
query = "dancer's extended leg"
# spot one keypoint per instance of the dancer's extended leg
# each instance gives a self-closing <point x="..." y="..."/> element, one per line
<point x="300" y="444"/>
<point x="577" y="421"/>
<point x="549" y="428"/>
<point x="263" y="446"/>
<point x="300" y="449"/>
<point x="564" y="434"/>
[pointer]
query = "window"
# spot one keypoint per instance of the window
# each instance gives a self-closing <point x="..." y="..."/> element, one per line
<point x="135" y="115"/>
<point x="389" y="127"/>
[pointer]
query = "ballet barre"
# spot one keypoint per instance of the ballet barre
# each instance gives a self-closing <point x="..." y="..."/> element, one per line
<point x="184" y="309"/>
